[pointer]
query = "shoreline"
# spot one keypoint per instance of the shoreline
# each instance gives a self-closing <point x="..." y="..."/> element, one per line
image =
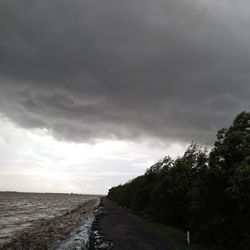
<point x="51" y="233"/>
<point x="95" y="224"/>
<point x="98" y="240"/>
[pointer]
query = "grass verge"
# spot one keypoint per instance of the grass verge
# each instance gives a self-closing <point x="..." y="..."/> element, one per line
<point x="175" y="236"/>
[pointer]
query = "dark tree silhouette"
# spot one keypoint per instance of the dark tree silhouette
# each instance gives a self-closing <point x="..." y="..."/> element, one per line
<point x="207" y="193"/>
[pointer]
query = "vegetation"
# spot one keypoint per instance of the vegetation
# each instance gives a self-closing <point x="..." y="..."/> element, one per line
<point x="176" y="237"/>
<point x="206" y="193"/>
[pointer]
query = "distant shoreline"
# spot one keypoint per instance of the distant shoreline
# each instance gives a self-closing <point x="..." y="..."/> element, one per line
<point x="31" y="192"/>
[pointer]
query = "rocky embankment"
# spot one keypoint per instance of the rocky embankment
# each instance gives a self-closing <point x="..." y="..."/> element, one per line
<point x="97" y="240"/>
<point x="45" y="233"/>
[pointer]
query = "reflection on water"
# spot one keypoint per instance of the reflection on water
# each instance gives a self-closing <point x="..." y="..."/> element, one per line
<point x="19" y="211"/>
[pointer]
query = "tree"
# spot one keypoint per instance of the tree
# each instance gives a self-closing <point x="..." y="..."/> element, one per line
<point x="209" y="193"/>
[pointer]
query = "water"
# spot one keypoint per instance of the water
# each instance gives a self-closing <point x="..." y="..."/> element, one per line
<point x="78" y="238"/>
<point x="20" y="211"/>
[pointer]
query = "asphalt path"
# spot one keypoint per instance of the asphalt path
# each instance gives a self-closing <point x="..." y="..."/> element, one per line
<point x="129" y="232"/>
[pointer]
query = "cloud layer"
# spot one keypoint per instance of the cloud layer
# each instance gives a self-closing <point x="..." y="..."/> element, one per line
<point x="174" y="70"/>
<point x="34" y="161"/>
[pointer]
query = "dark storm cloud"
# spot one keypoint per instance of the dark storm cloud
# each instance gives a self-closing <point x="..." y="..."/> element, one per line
<point x="127" y="69"/>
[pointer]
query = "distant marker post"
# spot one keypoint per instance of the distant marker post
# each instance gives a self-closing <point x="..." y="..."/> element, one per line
<point x="188" y="237"/>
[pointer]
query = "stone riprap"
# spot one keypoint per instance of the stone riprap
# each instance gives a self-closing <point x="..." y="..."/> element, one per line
<point x="48" y="234"/>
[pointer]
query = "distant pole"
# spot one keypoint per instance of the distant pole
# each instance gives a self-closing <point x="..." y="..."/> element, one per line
<point x="188" y="237"/>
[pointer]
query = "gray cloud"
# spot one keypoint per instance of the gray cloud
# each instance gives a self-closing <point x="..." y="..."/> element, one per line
<point x="174" y="70"/>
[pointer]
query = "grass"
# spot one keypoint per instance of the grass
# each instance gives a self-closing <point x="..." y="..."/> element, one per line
<point x="175" y="236"/>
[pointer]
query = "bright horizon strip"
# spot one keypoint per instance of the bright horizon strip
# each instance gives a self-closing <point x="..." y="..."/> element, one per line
<point x="33" y="161"/>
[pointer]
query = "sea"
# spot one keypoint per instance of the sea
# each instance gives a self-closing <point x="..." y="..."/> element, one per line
<point x="20" y="212"/>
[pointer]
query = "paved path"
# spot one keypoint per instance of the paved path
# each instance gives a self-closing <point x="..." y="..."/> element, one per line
<point x="128" y="232"/>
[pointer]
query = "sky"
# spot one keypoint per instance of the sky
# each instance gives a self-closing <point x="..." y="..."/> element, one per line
<point x="93" y="92"/>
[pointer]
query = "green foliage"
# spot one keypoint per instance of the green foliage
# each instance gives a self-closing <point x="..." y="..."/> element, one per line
<point x="208" y="194"/>
<point x="176" y="237"/>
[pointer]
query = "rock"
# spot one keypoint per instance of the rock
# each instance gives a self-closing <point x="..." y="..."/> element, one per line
<point x="48" y="232"/>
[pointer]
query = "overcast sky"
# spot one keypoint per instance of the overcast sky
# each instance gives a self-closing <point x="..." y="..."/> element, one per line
<point x="94" y="91"/>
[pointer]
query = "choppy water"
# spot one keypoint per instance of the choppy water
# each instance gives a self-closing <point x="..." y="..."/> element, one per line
<point x="19" y="211"/>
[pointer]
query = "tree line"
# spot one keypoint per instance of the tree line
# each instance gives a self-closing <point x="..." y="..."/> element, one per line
<point x="205" y="192"/>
